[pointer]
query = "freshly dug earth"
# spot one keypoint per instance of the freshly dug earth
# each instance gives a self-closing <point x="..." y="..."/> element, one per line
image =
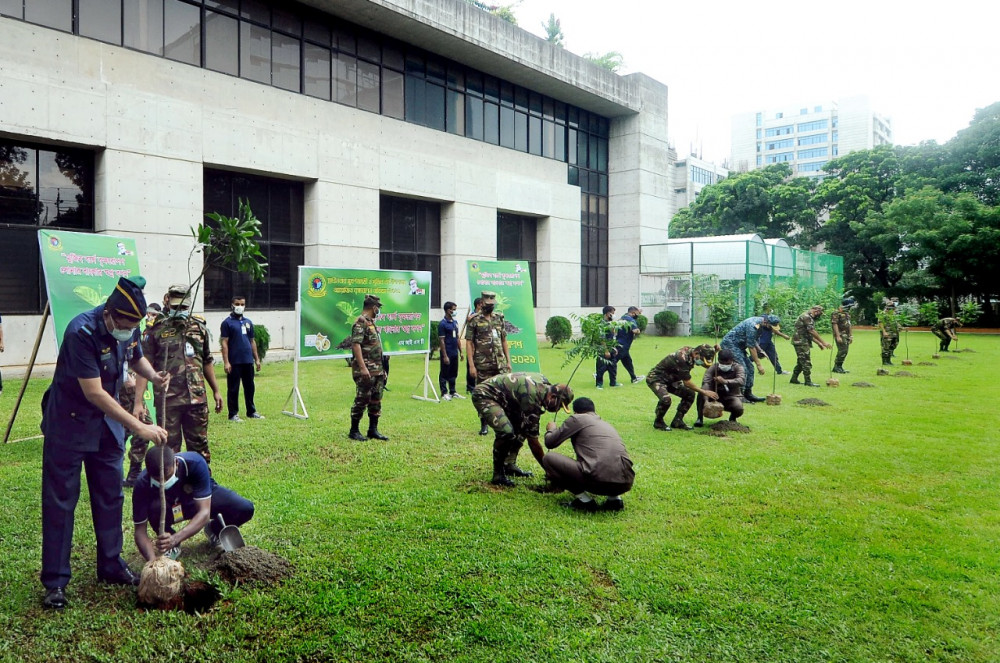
<point x="862" y="384"/>
<point x="926" y="363"/>
<point x="720" y="428"/>
<point x="964" y="350"/>
<point x="904" y="374"/>
<point x="812" y="401"/>
<point x="251" y="564"/>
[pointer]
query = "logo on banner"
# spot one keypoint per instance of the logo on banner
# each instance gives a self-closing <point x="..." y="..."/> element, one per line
<point x="54" y="243"/>
<point x="317" y="285"/>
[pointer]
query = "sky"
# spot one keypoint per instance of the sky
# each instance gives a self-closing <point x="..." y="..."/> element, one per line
<point x="927" y="66"/>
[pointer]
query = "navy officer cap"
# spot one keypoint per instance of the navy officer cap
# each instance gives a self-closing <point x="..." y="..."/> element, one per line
<point x="127" y="299"/>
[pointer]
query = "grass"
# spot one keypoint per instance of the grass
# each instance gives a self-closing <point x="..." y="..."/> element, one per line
<point x="862" y="531"/>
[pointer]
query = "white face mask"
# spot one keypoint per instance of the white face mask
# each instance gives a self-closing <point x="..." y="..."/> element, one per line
<point x="120" y="335"/>
<point x="238" y="310"/>
<point x="167" y="485"/>
<point x="725" y="368"/>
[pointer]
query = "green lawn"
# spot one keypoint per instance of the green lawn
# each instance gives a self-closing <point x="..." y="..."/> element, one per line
<point x="863" y="531"/>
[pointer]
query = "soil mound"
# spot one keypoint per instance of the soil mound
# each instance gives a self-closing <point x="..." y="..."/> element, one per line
<point x="720" y="428"/>
<point x="964" y="350"/>
<point x="904" y="374"/>
<point x="251" y="564"/>
<point x="926" y="363"/>
<point x="812" y="402"/>
<point x="863" y="384"/>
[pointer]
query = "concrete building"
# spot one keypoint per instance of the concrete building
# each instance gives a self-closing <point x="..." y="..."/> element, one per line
<point x="691" y="175"/>
<point x="411" y="134"/>
<point x="806" y="137"/>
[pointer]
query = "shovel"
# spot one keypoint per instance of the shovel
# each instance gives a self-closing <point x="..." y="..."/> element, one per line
<point x="229" y="536"/>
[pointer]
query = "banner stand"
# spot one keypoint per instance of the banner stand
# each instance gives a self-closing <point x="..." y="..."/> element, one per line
<point x="426" y="381"/>
<point x="295" y="398"/>
<point x="27" y="376"/>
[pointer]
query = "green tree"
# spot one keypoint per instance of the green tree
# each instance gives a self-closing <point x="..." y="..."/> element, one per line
<point x="613" y="61"/>
<point x="553" y="31"/>
<point x="973" y="160"/>
<point x="506" y="12"/>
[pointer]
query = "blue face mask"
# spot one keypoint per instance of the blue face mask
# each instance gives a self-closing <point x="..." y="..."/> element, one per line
<point x="167" y="485"/>
<point x="121" y="335"/>
<point x="725" y="368"/>
<point x="699" y="362"/>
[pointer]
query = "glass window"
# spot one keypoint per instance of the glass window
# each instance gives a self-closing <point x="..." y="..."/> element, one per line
<point x="507" y="126"/>
<point x="345" y="77"/>
<point x="435" y="71"/>
<point x="474" y="83"/>
<point x="456" y="113"/>
<point x="520" y="131"/>
<point x="18" y="184"/>
<point x="369" y="49"/>
<point x="535" y="135"/>
<point x="415" y="102"/>
<point x="231" y="7"/>
<point x="344" y="40"/>
<point x="56" y="14"/>
<point x="13" y="8"/>
<point x="182" y="32"/>
<point x="144" y="25"/>
<point x="317" y="31"/>
<point x="560" y="138"/>
<point x="516" y="240"/>
<point x="317" y="71"/>
<point x="285" y="54"/>
<point x="456" y="77"/>
<point x="257" y="11"/>
<point x="101" y="20"/>
<point x="368" y="86"/>
<point x="392" y="93"/>
<point x="392" y="56"/>
<point x="434" y="110"/>
<point x="474" y="118"/>
<point x="491" y="123"/>
<point x="222" y="35"/>
<point x="410" y="238"/>
<point x="286" y="21"/>
<point x="255" y="53"/>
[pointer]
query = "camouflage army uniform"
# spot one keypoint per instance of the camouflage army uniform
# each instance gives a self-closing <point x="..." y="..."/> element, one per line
<point x="187" y="396"/>
<point x="369" y="391"/>
<point x="889" y="324"/>
<point x="802" y="342"/>
<point x="941" y="329"/>
<point x="488" y="334"/>
<point x="841" y="321"/>
<point x="511" y="404"/>
<point x="136" y="445"/>
<point x="668" y="377"/>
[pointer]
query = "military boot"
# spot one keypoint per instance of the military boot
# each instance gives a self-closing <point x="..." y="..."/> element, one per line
<point x="748" y="394"/>
<point x="133" y="473"/>
<point x="373" y="433"/>
<point x="499" y="476"/>
<point x="659" y="423"/>
<point x="483" y="428"/>
<point x="839" y="369"/>
<point x="808" y="381"/>
<point x="512" y="470"/>
<point x="355" y="434"/>
<point x="678" y="424"/>
<point x="795" y="377"/>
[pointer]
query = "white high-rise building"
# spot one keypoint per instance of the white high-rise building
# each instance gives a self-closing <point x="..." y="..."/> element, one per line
<point x="806" y="137"/>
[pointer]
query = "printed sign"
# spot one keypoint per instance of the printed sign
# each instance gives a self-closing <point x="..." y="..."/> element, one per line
<point x="512" y="283"/>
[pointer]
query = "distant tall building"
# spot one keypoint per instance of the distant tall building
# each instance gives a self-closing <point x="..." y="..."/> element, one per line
<point x="807" y="137"/>
<point x="691" y="175"/>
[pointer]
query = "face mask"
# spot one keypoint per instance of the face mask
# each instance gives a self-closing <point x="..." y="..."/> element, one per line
<point x="167" y="485"/>
<point x="238" y="310"/>
<point x="488" y="308"/>
<point x="121" y="335"/>
<point x="725" y="368"/>
<point x="179" y="313"/>
<point x="699" y="362"/>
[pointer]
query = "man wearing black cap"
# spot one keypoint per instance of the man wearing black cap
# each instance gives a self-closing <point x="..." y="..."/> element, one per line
<point x="511" y="404"/>
<point x="84" y="425"/>
<point x="368" y="371"/>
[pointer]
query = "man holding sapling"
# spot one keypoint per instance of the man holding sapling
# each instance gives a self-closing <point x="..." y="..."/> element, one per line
<point x="726" y="376"/>
<point x="673" y="376"/>
<point x="944" y="329"/>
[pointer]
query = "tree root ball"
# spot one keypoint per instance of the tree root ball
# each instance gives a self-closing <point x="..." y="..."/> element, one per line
<point x="935" y="356"/>
<point x="833" y="382"/>
<point x="907" y="362"/>
<point x="161" y="581"/>
<point x="713" y="410"/>
<point x="773" y="399"/>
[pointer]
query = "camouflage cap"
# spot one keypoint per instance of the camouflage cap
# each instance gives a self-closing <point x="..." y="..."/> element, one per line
<point x="706" y="352"/>
<point x="564" y="395"/>
<point x="178" y="295"/>
<point x="372" y="300"/>
<point x="488" y="294"/>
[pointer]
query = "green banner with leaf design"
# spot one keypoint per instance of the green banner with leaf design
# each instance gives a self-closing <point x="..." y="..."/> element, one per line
<point x="512" y="283"/>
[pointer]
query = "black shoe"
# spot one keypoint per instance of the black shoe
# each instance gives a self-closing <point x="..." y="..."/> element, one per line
<point x="356" y="435"/>
<point x="660" y="425"/>
<point x="887" y="363"/>
<point x="579" y="505"/>
<point x="838" y="369"/>
<point x="485" y="430"/>
<point x="613" y="504"/>
<point x="753" y="399"/>
<point x="373" y="434"/>
<point x="810" y="384"/>
<point x="794" y="382"/>
<point x="502" y="481"/>
<point x="678" y="424"/>
<point x="124" y="577"/>
<point x="55" y="599"/>
<point x="513" y="470"/>
<point x="698" y="423"/>
<point x="129" y="481"/>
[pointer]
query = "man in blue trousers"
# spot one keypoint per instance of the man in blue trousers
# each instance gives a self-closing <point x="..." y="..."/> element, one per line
<point x="84" y="426"/>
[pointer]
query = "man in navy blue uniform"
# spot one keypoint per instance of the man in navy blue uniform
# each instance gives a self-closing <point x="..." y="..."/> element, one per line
<point x="192" y="495"/>
<point x="239" y="358"/>
<point x="84" y="425"/>
<point x="625" y="337"/>
<point x="451" y="353"/>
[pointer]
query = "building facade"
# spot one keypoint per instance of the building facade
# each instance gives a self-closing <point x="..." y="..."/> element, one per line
<point x="409" y="134"/>
<point x="806" y="137"/>
<point x="691" y="175"/>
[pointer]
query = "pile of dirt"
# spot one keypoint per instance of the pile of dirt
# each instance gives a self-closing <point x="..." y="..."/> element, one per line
<point x="812" y="402"/>
<point x="720" y="428"/>
<point x="251" y="564"/>
<point x="862" y="384"/>
<point x="926" y="363"/>
<point x="964" y="350"/>
<point x="904" y="374"/>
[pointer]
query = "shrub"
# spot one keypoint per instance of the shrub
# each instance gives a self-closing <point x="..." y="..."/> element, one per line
<point x="558" y="329"/>
<point x="435" y="344"/>
<point x="642" y="321"/>
<point x="666" y="322"/>
<point x="263" y="339"/>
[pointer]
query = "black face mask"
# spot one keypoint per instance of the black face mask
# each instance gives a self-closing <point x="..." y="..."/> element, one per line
<point x="488" y="308"/>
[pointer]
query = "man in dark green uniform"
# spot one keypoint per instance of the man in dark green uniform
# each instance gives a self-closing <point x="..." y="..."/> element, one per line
<point x="840" y="320"/>
<point x="802" y="340"/>
<point x="673" y="376"/>
<point x="367" y="370"/>
<point x="486" y="349"/>
<point x="512" y="404"/>
<point x="889" y="324"/>
<point x="944" y="329"/>
<point x="178" y="343"/>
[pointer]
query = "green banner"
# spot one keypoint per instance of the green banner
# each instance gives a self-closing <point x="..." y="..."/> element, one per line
<point x="81" y="271"/>
<point x="331" y="299"/>
<point x="512" y="283"/>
